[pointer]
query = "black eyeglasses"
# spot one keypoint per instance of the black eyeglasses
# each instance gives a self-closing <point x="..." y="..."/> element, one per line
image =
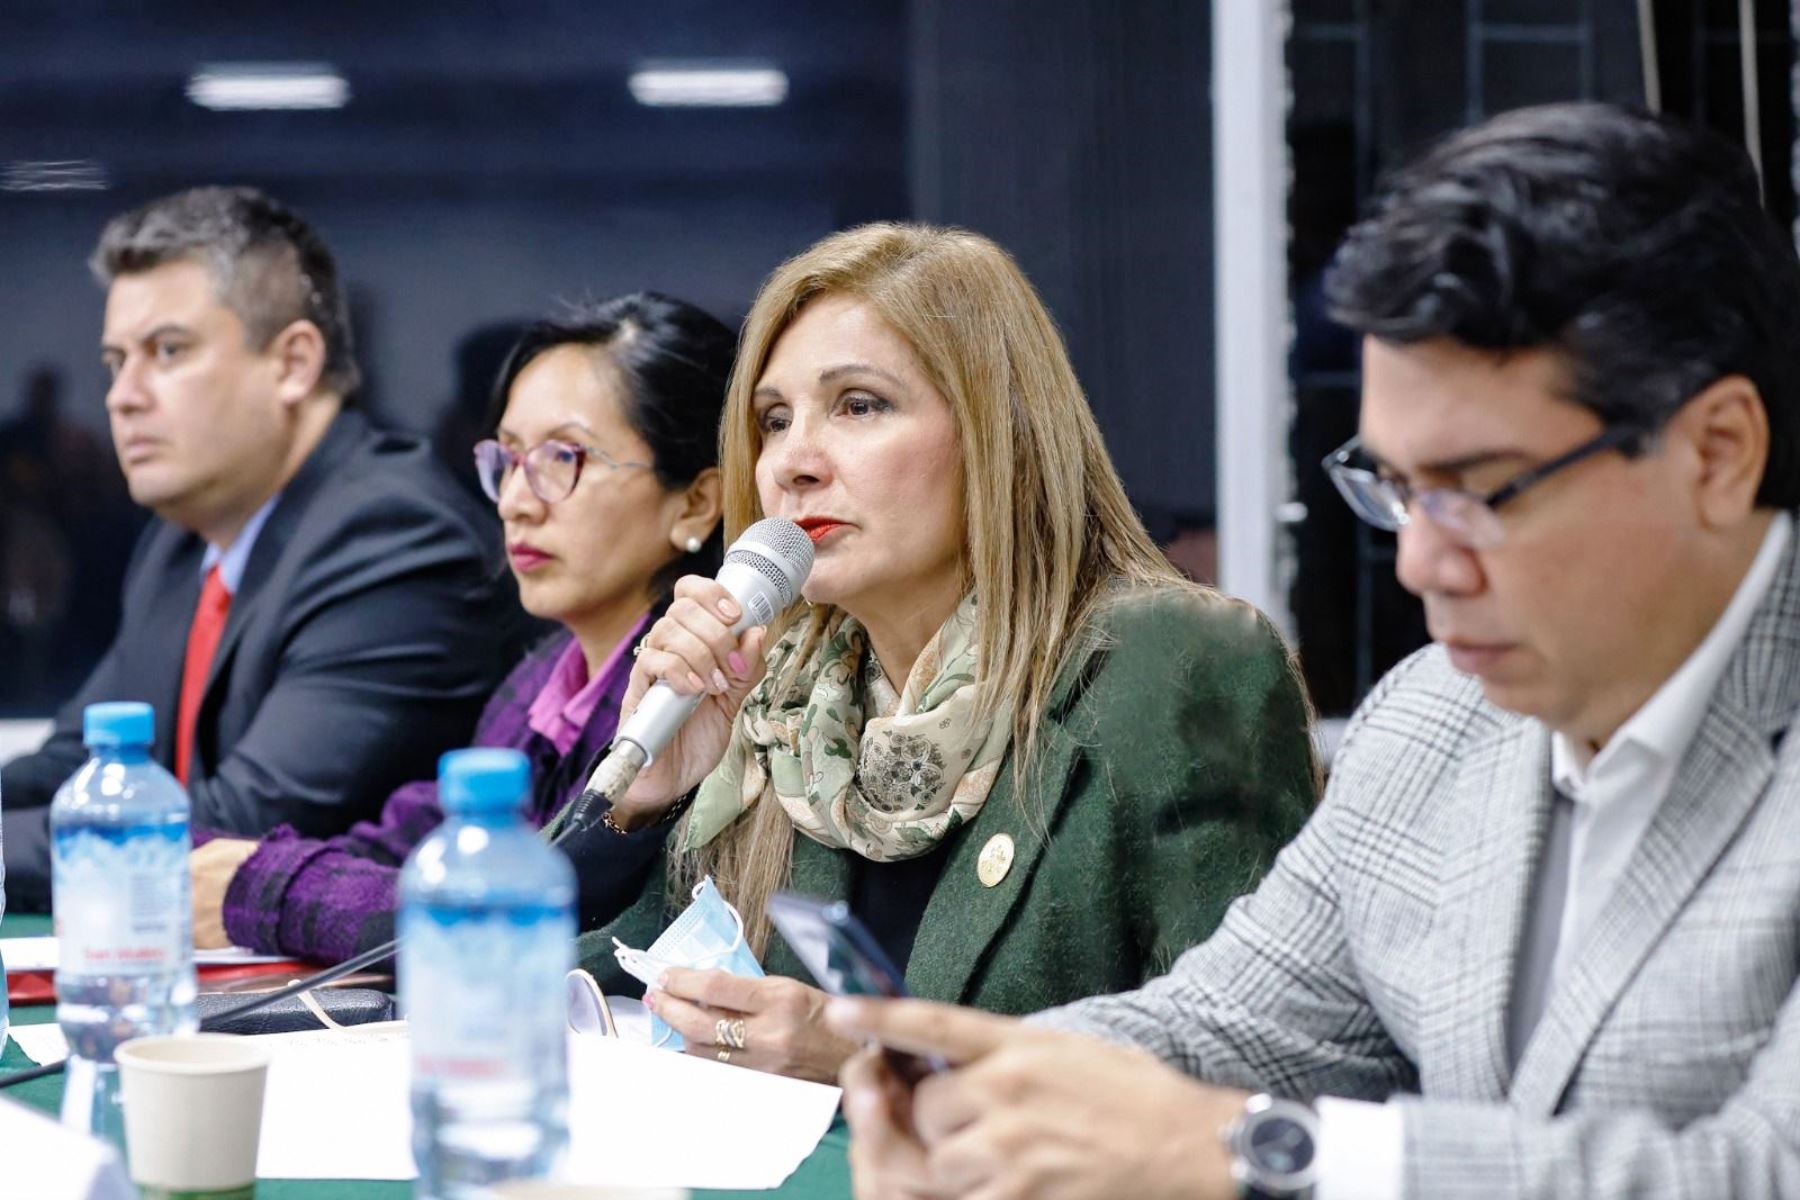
<point x="552" y="468"/>
<point x="1467" y="516"/>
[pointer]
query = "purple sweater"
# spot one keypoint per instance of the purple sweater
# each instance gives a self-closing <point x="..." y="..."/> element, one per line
<point x="326" y="900"/>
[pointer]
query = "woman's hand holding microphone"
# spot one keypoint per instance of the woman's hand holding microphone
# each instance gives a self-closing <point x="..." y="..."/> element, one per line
<point x="693" y="650"/>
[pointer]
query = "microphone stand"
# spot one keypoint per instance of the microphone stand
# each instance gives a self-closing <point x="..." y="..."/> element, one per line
<point x="609" y="781"/>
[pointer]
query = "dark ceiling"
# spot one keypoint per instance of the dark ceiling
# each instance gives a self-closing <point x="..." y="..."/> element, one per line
<point x="462" y="94"/>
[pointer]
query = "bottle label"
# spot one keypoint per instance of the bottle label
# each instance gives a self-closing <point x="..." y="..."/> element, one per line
<point x="121" y="898"/>
<point x="482" y="989"/>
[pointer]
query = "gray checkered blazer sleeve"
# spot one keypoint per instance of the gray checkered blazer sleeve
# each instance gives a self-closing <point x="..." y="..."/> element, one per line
<point x="1376" y="959"/>
<point x="1273" y="1000"/>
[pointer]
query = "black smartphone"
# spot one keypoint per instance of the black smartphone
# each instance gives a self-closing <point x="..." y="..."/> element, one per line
<point x="845" y="960"/>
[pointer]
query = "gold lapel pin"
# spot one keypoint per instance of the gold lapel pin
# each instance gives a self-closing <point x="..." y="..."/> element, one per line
<point x="996" y="860"/>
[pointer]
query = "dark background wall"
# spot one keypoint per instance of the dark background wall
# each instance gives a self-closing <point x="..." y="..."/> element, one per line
<point x="491" y="163"/>
<point x="1078" y="134"/>
<point x="490" y="160"/>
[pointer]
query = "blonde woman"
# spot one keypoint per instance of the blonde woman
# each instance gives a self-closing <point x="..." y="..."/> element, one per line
<point x="1037" y="761"/>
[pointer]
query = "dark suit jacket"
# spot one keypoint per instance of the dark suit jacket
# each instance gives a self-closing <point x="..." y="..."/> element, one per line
<point x="370" y="625"/>
<point x="1175" y="760"/>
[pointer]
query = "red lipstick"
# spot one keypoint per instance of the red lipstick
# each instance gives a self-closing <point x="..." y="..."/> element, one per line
<point x="819" y="528"/>
<point x="526" y="557"/>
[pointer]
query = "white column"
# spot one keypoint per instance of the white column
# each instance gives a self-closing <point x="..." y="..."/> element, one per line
<point x="1253" y="398"/>
<point x="1794" y="103"/>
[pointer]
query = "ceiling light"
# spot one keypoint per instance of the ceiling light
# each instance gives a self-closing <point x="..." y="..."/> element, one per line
<point x="53" y="175"/>
<point x="708" y="85"/>
<point x="268" y="85"/>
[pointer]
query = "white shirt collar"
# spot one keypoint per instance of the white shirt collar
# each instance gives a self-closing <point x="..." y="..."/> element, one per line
<point x="234" y="558"/>
<point x="1668" y="721"/>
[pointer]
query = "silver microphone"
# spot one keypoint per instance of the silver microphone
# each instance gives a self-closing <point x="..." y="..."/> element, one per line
<point x="764" y="570"/>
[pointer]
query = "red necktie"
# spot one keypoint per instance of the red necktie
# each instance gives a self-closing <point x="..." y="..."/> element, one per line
<point x="202" y="641"/>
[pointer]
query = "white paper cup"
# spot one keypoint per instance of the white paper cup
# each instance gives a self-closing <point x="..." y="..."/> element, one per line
<point x="193" y="1113"/>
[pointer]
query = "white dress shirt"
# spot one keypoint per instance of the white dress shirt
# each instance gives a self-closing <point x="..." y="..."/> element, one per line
<point x="232" y="560"/>
<point x="1616" y="793"/>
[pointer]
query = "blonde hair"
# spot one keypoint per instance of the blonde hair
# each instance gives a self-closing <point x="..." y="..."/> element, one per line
<point x="1050" y="533"/>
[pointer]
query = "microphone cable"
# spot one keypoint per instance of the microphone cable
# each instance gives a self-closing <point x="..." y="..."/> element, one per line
<point x="368" y="958"/>
<point x="261" y="1000"/>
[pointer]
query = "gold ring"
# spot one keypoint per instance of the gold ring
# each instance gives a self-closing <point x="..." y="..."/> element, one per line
<point x="729" y="1031"/>
<point x="724" y="1054"/>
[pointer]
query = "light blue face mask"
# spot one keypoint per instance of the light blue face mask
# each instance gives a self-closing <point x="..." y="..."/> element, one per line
<point x="709" y="935"/>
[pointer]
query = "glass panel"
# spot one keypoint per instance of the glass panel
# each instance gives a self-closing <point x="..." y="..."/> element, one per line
<point x="1531" y="12"/>
<point x="1323" y="144"/>
<point x="1324" y="80"/>
<point x="1326" y="617"/>
<point x="1516" y="74"/>
<point x="1308" y="12"/>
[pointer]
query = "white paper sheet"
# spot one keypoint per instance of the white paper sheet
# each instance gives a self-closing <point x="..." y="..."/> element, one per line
<point x="640" y="1117"/>
<point x="42" y="1044"/>
<point x="28" y="953"/>
<point x="48" y="1162"/>
<point x="231" y="956"/>
<point x="336" y="1105"/>
<point x="631" y="1018"/>
<point x="40" y="954"/>
<point x="337" y="1108"/>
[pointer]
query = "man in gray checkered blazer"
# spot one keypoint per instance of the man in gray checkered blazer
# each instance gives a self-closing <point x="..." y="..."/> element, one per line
<point x="1541" y="938"/>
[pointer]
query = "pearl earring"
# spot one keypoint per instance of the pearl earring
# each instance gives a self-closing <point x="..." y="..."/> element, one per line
<point x="693" y="545"/>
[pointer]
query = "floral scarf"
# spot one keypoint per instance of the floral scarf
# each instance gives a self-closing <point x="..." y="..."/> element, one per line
<point x="855" y="765"/>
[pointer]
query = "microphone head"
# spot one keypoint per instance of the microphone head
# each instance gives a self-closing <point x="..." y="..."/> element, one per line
<point x="779" y="551"/>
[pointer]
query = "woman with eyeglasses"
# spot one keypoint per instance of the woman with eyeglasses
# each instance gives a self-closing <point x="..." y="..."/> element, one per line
<point x="603" y="467"/>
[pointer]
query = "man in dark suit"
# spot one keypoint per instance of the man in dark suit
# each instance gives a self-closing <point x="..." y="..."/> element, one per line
<point x="314" y="615"/>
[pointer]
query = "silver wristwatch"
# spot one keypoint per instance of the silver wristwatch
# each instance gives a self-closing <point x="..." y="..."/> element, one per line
<point x="1274" y="1148"/>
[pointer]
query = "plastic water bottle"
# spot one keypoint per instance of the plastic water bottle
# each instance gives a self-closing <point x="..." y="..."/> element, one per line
<point x="487" y="934"/>
<point x="124" y="922"/>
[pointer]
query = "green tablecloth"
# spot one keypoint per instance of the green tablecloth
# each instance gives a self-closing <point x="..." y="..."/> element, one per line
<point x="824" y="1175"/>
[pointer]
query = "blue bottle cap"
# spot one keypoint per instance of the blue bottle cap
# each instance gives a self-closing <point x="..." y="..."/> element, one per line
<point x="118" y="723"/>
<point x="483" y="780"/>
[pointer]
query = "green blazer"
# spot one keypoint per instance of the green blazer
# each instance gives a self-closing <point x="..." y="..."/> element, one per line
<point x="1175" y="759"/>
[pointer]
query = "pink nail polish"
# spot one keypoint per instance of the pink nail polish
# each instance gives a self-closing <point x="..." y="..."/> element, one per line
<point x="737" y="664"/>
<point x="720" y="682"/>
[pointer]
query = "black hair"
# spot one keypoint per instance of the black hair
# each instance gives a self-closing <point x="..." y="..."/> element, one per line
<point x="268" y="265"/>
<point x="674" y="360"/>
<point x="1633" y="244"/>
